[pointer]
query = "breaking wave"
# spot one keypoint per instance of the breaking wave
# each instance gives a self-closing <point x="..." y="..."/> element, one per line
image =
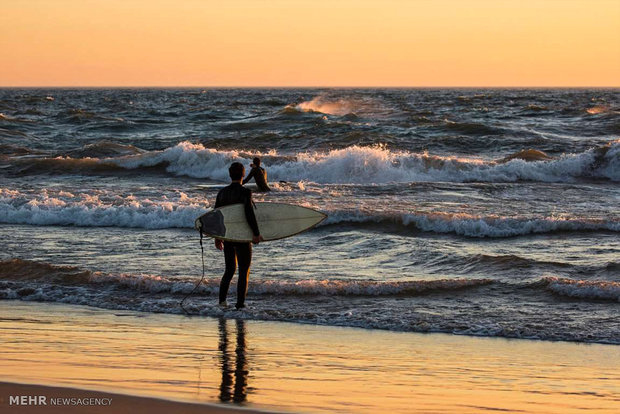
<point x="103" y="209"/>
<point x="351" y="165"/>
<point x="99" y="208"/>
<point x="584" y="289"/>
<point x="29" y="271"/>
<point x="376" y="305"/>
<point x="337" y="106"/>
<point x="19" y="270"/>
<point x="480" y="226"/>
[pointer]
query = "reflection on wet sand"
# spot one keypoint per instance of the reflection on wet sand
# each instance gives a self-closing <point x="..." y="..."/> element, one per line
<point x="234" y="379"/>
<point x="300" y="368"/>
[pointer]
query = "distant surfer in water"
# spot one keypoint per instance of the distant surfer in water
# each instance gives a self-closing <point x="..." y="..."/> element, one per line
<point x="259" y="174"/>
<point x="235" y="252"/>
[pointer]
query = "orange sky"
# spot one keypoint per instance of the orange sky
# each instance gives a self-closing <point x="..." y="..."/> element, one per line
<point x="309" y="43"/>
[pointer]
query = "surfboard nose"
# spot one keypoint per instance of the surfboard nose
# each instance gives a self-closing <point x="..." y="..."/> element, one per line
<point x="212" y="224"/>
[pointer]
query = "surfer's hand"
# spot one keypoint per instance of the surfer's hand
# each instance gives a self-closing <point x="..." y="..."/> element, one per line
<point x="257" y="239"/>
<point x="219" y="244"/>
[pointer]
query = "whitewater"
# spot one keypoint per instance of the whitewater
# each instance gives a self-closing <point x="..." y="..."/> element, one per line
<point x="355" y="165"/>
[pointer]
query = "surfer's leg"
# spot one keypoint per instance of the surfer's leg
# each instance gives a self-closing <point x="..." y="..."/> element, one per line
<point x="231" y="265"/>
<point x="244" y="255"/>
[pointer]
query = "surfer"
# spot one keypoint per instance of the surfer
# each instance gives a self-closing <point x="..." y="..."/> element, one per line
<point x="259" y="174"/>
<point x="235" y="252"/>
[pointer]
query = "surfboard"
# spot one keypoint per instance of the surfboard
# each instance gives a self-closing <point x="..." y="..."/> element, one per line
<point x="275" y="221"/>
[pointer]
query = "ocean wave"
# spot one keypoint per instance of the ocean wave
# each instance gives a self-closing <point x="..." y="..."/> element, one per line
<point x="467" y="98"/>
<point x="477" y="226"/>
<point x="354" y="165"/>
<point x="472" y="128"/>
<point x="15" y="150"/>
<point x="584" y="289"/>
<point x="63" y="165"/>
<point x="29" y="271"/>
<point x="102" y="149"/>
<point x="336" y="106"/>
<point x="536" y="107"/>
<point x="12" y="133"/>
<point x="434" y="305"/>
<point x="99" y="208"/>
<point x="491" y="263"/>
<point x="14" y="119"/>
<point x="19" y="270"/>
<point x="527" y="155"/>
<point x="380" y="165"/>
<point x="601" y="109"/>
<point x="79" y="116"/>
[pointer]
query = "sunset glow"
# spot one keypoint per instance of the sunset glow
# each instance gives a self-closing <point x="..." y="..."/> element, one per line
<point x="310" y="43"/>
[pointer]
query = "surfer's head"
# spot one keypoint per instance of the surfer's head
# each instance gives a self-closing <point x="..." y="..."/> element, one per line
<point x="236" y="171"/>
<point x="256" y="162"/>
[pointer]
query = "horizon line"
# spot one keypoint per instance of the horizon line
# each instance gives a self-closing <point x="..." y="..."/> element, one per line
<point x="306" y="87"/>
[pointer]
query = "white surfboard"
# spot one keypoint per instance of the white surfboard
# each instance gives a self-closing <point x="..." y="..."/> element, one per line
<point x="275" y="221"/>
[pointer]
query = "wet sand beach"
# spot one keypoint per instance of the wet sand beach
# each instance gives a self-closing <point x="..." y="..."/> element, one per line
<point x="278" y="366"/>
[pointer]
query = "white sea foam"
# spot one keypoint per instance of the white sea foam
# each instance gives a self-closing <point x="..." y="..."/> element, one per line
<point x="586" y="289"/>
<point x="355" y="165"/>
<point x="380" y="165"/>
<point x="178" y="210"/>
<point x="329" y="105"/>
<point x="185" y="158"/>
<point x="99" y="209"/>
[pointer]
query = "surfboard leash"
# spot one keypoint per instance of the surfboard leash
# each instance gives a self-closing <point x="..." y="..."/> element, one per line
<point x="202" y="256"/>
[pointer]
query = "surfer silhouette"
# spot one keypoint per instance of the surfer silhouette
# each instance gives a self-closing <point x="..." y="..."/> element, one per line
<point x="236" y="252"/>
<point x="259" y="174"/>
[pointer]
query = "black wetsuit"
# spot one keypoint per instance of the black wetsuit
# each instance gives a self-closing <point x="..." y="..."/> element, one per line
<point x="235" y="193"/>
<point x="260" y="177"/>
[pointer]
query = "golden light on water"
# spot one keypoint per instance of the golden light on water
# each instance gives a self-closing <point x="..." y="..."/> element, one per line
<point x="310" y="43"/>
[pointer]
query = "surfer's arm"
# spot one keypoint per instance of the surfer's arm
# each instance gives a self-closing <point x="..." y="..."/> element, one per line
<point x="219" y="244"/>
<point x="218" y="201"/>
<point x="249" y="177"/>
<point x="250" y="216"/>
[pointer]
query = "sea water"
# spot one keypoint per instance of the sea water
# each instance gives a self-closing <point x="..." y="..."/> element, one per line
<point x="488" y="212"/>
